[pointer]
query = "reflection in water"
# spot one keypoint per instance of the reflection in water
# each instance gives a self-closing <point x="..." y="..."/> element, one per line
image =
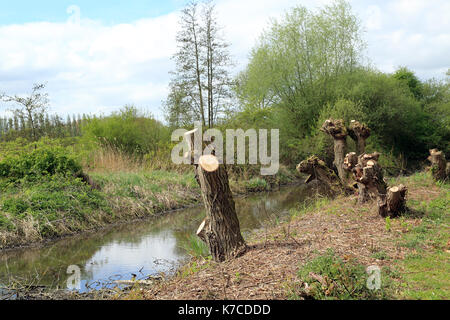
<point x="143" y="248"/>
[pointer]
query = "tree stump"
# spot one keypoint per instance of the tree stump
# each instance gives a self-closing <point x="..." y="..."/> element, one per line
<point x="353" y="164"/>
<point x="318" y="170"/>
<point x="439" y="166"/>
<point x="337" y="130"/>
<point x="394" y="202"/>
<point x="391" y="201"/>
<point x="359" y="132"/>
<point x="370" y="173"/>
<point x="220" y="230"/>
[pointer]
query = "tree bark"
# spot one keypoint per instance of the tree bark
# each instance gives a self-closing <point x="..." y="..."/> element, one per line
<point x="394" y="202"/>
<point x="220" y="230"/>
<point x="201" y="231"/>
<point x="359" y="132"/>
<point x="337" y="130"/>
<point x="369" y="174"/>
<point x="318" y="170"/>
<point x="353" y="164"/>
<point x="439" y="166"/>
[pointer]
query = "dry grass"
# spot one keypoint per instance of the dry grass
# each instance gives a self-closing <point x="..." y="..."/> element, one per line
<point x="107" y="159"/>
<point x="111" y="160"/>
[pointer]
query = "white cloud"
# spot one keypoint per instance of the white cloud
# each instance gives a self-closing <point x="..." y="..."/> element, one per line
<point x="89" y="66"/>
<point x="412" y="33"/>
<point x="92" y="67"/>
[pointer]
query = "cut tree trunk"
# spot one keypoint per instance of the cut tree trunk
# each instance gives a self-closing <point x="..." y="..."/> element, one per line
<point x="337" y="130"/>
<point x="353" y="163"/>
<point x="318" y="170"/>
<point x="438" y="165"/>
<point x="220" y="230"/>
<point x="394" y="202"/>
<point x="391" y="201"/>
<point x="359" y="132"/>
<point x="370" y="174"/>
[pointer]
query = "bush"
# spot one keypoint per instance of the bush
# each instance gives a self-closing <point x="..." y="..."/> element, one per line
<point x="128" y="131"/>
<point x="346" y="280"/>
<point x="44" y="161"/>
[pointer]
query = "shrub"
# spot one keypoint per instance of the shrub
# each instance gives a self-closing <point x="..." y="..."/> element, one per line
<point x="345" y="280"/>
<point x="128" y="131"/>
<point x="44" y="161"/>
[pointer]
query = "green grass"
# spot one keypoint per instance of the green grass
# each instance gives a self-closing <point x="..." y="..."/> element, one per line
<point x="148" y="192"/>
<point x="49" y="200"/>
<point x="256" y="184"/>
<point x="380" y="255"/>
<point x="426" y="272"/>
<point x="195" y="247"/>
<point x="426" y="276"/>
<point x="153" y="181"/>
<point x="345" y="280"/>
<point x="432" y="232"/>
<point x="308" y="207"/>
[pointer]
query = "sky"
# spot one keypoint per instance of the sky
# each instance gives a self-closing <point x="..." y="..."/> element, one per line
<point x="97" y="56"/>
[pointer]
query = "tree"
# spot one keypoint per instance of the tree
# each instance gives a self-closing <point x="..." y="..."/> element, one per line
<point x="29" y="107"/>
<point x="220" y="229"/>
<point x="200" y="87"/>
<point x="298" y="60"/>
<point x="410" y="79"/>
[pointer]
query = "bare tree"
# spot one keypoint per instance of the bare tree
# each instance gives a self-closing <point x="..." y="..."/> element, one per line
<point x="217" y="60"/>
<point x="200" y="87"/>
<point x="30" y="107"/>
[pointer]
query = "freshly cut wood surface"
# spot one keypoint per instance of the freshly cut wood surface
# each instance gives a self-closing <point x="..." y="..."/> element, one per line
<point x="209" y="163"/>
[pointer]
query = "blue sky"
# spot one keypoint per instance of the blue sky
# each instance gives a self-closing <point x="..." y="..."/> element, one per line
<point x="119" y="52"/>
<point x="106" y="11"/>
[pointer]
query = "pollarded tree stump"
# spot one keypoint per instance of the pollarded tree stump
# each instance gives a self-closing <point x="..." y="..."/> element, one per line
<point x="318" y="170"/>
<point x="359" y="132"/>
<point x="220" y="230"/>
<point x="353" y="163"/>
<point x="439" y="166"/>
<point x="391" y="201"/>
<point x="394" y="202"/>
<point x="370" y="173"/>
<point x="337" y="130"/>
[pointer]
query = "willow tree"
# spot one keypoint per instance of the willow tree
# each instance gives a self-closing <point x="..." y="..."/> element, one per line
<point x="298" y="59"/>
<point x="200" y="88"/>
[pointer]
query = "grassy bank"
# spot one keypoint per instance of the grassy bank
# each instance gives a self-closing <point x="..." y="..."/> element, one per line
<point x="323" y="251"/>
<point x="45" y="193"/>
